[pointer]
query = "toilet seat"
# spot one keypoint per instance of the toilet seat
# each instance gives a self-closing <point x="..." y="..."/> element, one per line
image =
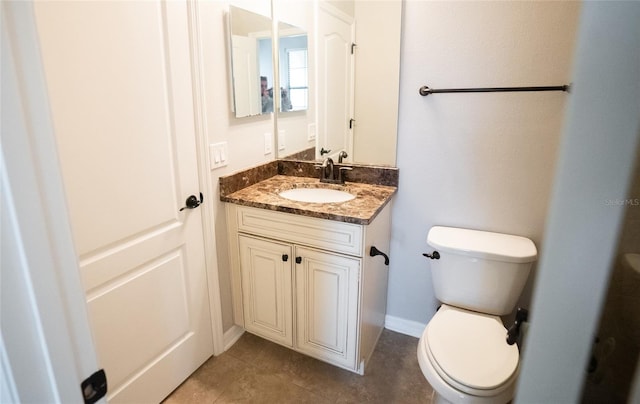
<point x="468" y="350"/>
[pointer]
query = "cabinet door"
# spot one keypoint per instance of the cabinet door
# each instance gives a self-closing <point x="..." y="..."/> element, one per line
<point x="266" y="288"/>
<point x="327" y="306"/>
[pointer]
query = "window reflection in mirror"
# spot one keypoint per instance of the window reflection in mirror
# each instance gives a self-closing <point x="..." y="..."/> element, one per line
<point x="251" y="62"/>
<point x="292" y="60"/>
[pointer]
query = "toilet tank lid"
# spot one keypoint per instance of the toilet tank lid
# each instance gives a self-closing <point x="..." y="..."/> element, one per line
<point x="482" y="244"/>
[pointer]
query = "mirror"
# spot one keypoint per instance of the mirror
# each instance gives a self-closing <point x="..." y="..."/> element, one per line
<point x="251" y="62"/>
<point x="293" y="68"/>
<point x="369" y="106"/>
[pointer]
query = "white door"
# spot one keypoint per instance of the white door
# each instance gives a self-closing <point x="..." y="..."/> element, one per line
<point x="335" y="32"/>
<point x="266" y="288"/>
<point x="327" y="305"/>
<point x="119" y="82"/>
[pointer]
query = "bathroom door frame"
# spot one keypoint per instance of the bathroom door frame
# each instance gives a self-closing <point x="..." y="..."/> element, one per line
<point x="204" y="176"/>
<point x="46" y="346"/>
<point x="595" y="164"/>
<point x="53" y="289"/>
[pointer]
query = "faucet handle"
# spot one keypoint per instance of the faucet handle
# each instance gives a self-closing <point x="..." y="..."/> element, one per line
<point x="342" y="172"/>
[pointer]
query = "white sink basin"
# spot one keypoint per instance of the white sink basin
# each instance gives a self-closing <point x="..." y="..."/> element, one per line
<point x="316" y="195"/>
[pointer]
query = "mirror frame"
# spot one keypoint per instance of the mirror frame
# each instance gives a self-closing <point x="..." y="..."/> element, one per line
<point x="380" y="130"/>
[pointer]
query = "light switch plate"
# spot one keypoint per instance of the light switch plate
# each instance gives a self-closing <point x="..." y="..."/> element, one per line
<point x="218" y="155"/>
<point x="281" y="139"/>
<point x="311" y="132"/>
<point x="268" y="143"/>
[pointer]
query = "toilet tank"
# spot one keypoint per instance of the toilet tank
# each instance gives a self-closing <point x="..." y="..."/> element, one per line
<point x="479" y="270"/>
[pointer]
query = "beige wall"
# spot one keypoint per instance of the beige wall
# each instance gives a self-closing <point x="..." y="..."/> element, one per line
<point x="245" y="136"/>
<point x="481" y="161"/>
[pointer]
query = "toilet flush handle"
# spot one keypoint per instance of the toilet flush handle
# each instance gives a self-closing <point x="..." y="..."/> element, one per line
<point x="513" y="332"/>
<point x="434" y="256"/>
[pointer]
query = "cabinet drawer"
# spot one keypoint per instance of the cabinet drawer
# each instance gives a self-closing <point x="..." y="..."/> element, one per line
<point x="320" y="233"/>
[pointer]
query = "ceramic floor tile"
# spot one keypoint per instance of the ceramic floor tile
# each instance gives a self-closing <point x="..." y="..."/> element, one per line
<point x="207" y="383"/>
<point x="248" y="347"/>
<point x="392" y="376"/>
<point x="261" y="386"/>
<point x="316" y="376"/>
<point x="255" y="370"/>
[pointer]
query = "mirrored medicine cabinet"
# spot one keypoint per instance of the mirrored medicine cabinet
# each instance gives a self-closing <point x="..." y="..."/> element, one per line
<point x="335" y="71"/>
<point x="250" y="44"/>
<point x="252" y="69"/>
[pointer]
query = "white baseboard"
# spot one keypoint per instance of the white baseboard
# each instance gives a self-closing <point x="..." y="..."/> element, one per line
<point x="232" y="335"/>
<point x="403" y="326"/>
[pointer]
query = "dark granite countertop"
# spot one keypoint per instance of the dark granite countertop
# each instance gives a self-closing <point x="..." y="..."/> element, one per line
<point x="369" y="200"/>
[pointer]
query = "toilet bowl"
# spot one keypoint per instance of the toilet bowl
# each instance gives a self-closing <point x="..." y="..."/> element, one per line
<point x="465" y="358"/>
<point x="478" y="276"/>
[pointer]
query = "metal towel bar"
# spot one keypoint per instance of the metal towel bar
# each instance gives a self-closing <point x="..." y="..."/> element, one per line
<point x="425" y="90"/>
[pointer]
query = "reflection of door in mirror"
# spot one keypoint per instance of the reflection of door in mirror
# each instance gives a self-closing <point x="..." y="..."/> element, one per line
<point x="251" y="62"/>
<point x="246" y="77"/>
<point x="376" y="72"/>
<point x="335" y="81"/>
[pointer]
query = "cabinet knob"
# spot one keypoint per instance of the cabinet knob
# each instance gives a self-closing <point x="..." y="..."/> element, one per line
<point x="298" y="260"/>
<point x="285" y="257"/>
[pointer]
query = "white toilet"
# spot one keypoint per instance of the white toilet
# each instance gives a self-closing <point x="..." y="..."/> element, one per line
<point x="478" y="277"/>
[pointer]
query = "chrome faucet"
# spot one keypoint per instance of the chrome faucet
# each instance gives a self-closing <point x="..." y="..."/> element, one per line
<point x="327" y="172"/>
<point x="327" y="165"/>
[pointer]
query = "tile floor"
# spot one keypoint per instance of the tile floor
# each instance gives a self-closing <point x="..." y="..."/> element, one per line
<point x="255" y="370"/>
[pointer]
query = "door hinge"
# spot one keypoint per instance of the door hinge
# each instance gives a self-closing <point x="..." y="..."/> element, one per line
<point x="353" y="45"/>
<point x="94" y="387"/>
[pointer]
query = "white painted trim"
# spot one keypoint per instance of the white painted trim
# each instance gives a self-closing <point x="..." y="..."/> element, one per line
<point x="336" y="12"/>
<point x="45" y="330"/>
<point x="205" y="178"/>
<point x="599" y="143"/>
<point x="232" y="335"/>
<point x="404" y="326"/>
<point x="8" y="388"/>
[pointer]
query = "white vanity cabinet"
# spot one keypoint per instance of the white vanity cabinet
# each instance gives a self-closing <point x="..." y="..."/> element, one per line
<point x="309" y="283"/>
<point x="266" y="268"/>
